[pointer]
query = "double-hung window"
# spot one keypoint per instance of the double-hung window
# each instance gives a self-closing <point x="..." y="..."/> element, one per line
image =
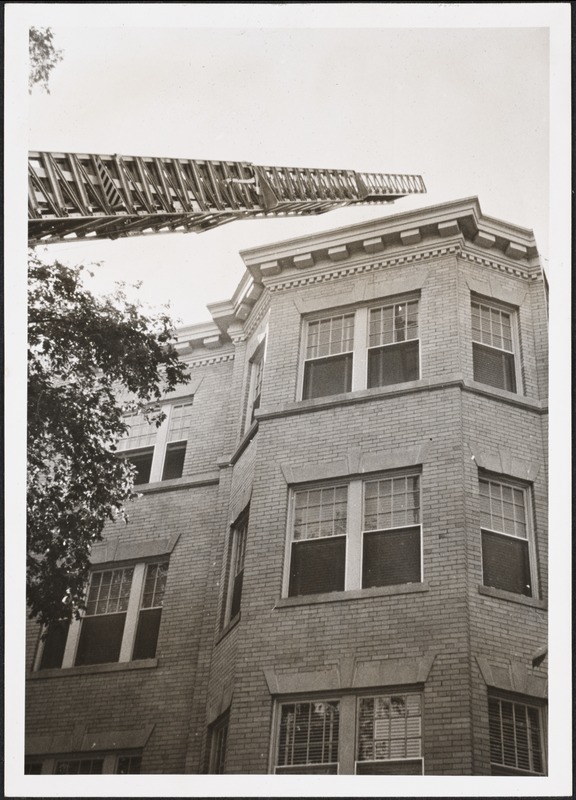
<point x="121" y="621"/>
<point x="237" y="552"/>
<point x="516" y="737"/>
<point x="127" y="763"/>
<point x="157" y="453"/>
<point x="507" y="537"/>
<point x="365" y="348"/>
<point x="494" y="345"/>
<point x="355" y="535"/>
<point x="378" y="734"/>
<point x="218" y="737"/>
<point x="256" y="373"/>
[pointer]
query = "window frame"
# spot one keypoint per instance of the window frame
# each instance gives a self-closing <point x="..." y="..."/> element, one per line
<point x="530" y="539"/>
<point x="348" y="725"/>
<point x="354" y="544"/>
<point x="513" y="312"/>
<point x="238" y="528"/>
<point x="526" y="702"/>
<point x="110" y="760"/>
<point x="215" y="730"/>
<point x="256" y="364"/>
<point x="133" y="610"/>
<point x="161" y="440"/>
<point x="361" y="340"/>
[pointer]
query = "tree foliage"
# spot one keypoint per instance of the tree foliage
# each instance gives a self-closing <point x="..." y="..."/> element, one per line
<point x="81" y="351"/>
<point x="43" y="57"/>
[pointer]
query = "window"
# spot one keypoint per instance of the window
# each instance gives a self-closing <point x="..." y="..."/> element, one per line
<point x="308" y="738"/>
<point x="389" y="738"/>
<point x="256" y="373"/>
<point x="362" y="349"/>
<point x="350" y="734"/>
<point x="218" y="740"/>
<point x="77" y="766"/>
<point x="516" y="738"/>
<point x="128" y="765"/>
<point x="358" y="535"/>
<point x="506" y="537"/>
<point x="121" y="621"/>
<point x="158" y="453"/>
<point x="493" y="338"/>
<point x="237" y="554"/>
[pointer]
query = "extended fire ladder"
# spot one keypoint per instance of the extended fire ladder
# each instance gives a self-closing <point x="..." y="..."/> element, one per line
<point x="75" y="197"/>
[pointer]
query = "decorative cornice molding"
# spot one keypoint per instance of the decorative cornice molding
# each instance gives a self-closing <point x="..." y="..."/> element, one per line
<point x="371" y="266"/>
<point x="206" y="362"/>
<point x="261" y="308"/>
<point x="498" y="265"/>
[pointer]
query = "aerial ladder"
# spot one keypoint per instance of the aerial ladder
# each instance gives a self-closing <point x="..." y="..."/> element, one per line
<point x="79" y="197"/>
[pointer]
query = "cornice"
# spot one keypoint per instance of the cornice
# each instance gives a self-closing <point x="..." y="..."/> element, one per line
<point x="397" y="260"/>
<point x="206" y="362"/>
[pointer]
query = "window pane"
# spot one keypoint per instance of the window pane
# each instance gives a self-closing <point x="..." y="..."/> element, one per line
<point x="502" y="508"/>
<point x="396" y="363"/>
<point x="141" y="433"/>
<point x="309" y="734"/>
<point x="320" y="512"/>
<point x="218" y="742"/>
<point x="327" y="376"/>
<point x="174" y="461"/>
<point x="80" y="767"/>
<point x="143" y="463"/>
<point x="389" y="728"/>
<point x="54" y="645"/>
<point x="180" y="416"/>
<point x="494" y="368"/>
<point x="129" y="765"/>
<point x="391" y="557"/>
<point x="100" y="639"/>
<point x="147" y="633"/>
<point x="515" y="739"/>
<point x="317" y="566"/>
<point x="506" y="563"/>
<point x="391" y="502"/>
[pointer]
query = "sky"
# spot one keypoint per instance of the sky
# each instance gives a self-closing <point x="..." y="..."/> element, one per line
<point x="474" y="97"/>
<point x="467" y="108"/>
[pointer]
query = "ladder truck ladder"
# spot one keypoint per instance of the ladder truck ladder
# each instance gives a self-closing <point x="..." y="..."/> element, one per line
<point x="78" y="197"/>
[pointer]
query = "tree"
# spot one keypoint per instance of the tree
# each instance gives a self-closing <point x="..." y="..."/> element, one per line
<point x="43" y="57"/>
<point x="83" y="353"/>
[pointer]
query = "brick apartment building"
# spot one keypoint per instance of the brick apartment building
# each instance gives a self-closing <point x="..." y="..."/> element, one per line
<point x="338" y="563"/>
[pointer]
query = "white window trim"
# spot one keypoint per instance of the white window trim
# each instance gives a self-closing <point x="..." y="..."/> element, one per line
<point x="349" y="702"/>
<point x="361" y="346"/>
<point x="130" y="625"/>
<point x="354" y="526"/>
<point x="530" y="530"/>
<point x="513" y="312"/>
<point x="161" y="442"/>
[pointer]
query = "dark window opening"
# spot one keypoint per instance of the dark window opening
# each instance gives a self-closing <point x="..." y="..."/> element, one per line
<point x="54" y="645"/>
<point x="142" y="460"/>
<point x="218" y="742"/>
<point x="327" y="376"/>
<point x="389" y="767"/>
<point x="391" y="557"/>
<point x="86" y="766"/>
<point x="393" y="363"/>
<point x="129" y="765"/>
<point x="317" y="566"/>
<point x="32" y="768"/>
<point x="515" y="738"/>
<point x="506" y="563"/>
<point x="147" y="633"/>
<point x="100" y="639"/>
<point x="174" y="461"/>
<point x="309" y="738"/>
<point x="494" y="367"/>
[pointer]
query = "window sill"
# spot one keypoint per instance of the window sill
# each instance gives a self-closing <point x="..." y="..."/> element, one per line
<point x="353" y="594"/>
<point x="93" y="669"/>
<point x="228" y="627"/>
<point x="512" y="597"/>
<point x="200" y="479"/>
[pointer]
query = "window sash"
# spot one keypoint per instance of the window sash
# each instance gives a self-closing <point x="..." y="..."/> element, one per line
<point x="308" y="735"/>
<point x="218" y="745"/>
<point x="389" y="727"/>
<point x="516" y="736"/>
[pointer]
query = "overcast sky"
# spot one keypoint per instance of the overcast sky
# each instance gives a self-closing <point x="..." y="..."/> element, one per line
<point x="465" y="107"/>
